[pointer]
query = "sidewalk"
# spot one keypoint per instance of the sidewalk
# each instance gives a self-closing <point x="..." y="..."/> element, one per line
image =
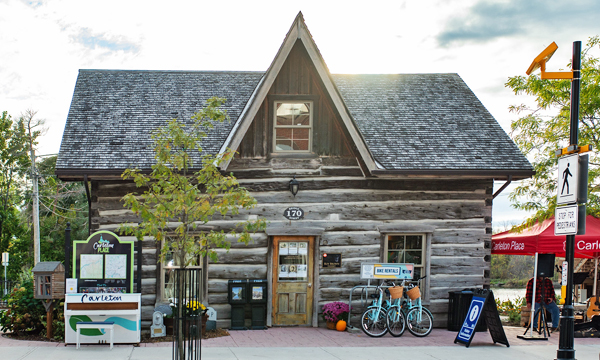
<point x="309" y="343"/>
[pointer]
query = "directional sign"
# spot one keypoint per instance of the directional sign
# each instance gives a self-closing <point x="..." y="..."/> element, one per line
<point x="565" y="220"/>
<point x="568" y="173"/>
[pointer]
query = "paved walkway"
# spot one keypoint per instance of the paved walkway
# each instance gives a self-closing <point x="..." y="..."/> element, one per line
<point x="310" y="343"/>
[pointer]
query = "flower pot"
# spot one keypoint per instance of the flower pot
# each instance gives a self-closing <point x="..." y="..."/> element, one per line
<point x="331" y="325"/>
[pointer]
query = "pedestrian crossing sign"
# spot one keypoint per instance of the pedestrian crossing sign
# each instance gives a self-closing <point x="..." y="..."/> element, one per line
<point x="568" y="179"/>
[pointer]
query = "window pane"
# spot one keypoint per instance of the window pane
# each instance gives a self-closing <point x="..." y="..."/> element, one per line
<point x="393" y="257"/>
<point x="284" y="120"/>
<point x="417" y="274"/>
<point x="396" y="242"/>
<point x="293" y="261"/>
<point x="283" y="145"/>
<point x="301" y="134"/>
<point x="414" y="242"/>
<point x="302" y="120"/>
<point x="414" y="257"/>
<point x="283" y="134"/>
<point x="300" y="144"/>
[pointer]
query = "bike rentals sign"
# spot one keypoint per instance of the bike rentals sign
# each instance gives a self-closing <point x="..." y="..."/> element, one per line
<point x="386" y="271"/>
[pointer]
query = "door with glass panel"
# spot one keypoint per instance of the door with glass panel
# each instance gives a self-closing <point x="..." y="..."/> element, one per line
<point x="292" y="280"/>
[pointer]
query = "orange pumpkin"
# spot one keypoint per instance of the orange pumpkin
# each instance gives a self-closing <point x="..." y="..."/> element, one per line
<point x="340" y="326"/>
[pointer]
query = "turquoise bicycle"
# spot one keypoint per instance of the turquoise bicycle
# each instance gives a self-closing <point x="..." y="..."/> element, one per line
<point x="373" y="320"/>
<point x="408" y="312"/>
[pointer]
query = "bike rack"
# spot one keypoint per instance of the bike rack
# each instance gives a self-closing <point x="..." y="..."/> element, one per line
<point x="349" y="326"/>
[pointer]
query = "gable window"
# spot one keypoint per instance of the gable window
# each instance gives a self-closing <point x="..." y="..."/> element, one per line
<point x="407" y="249"/>
<point x="293" y="126"/>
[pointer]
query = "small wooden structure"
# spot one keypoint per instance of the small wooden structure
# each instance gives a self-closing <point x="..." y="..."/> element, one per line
<point x="49" y="284"/>
<point x="49" y="280"/>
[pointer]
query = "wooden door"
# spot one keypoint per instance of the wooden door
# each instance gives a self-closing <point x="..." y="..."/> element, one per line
<point x="293" y="280"/>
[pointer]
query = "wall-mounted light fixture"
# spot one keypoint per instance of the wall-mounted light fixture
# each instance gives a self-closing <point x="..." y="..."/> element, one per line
<point x="294" y="186"/>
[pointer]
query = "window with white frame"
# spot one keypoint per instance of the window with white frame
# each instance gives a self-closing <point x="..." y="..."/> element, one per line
<point x="168" y="266"/>
<point x="292" y="126"/>
<point x="407" y="249"/>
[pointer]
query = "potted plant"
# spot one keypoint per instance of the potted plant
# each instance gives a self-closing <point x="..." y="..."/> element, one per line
<point x="192" y="308"/>
<point x="334" y="312"/>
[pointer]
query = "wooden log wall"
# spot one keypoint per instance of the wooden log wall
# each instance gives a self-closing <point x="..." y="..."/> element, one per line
<point x="455" y="213"/>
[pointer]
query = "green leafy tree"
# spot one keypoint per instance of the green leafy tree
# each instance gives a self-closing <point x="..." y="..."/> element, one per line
<point x="540" y="131"/>
<point x="59" y="202"/>
<point x="180" y="195"/>
<point x="14" y="163"/>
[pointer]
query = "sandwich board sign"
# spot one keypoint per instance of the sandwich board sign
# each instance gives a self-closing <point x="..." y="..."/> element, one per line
<point x="483" y="305"/>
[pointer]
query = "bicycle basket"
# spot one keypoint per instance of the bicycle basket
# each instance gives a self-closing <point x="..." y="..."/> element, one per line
<point x="396" y="292"/>
<point x="414" y="293"/>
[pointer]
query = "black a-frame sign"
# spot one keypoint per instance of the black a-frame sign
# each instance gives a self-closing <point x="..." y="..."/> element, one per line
<point x="483" y="303"/>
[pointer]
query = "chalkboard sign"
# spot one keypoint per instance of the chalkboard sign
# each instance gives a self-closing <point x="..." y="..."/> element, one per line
<point x="483" y="304"/>
<point x="103" y="264"/>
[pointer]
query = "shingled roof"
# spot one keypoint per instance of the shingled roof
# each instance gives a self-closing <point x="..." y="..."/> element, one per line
<point x="400" y="123"/>
<point x="113" y="113"/>
<point x="427" y="122"/>
<point x="409" y="121"/>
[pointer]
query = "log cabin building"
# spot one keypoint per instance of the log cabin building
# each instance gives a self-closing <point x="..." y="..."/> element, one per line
<point x="391" y="168"/>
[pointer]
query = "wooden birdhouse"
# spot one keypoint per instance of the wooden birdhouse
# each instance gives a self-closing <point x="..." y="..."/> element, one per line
<point x="49" y="280"/>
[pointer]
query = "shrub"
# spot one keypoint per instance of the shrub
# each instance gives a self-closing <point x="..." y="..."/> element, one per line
<point x="24" y="313"/>
<point x="335" y="311"/>
<point x="512" y="309"/>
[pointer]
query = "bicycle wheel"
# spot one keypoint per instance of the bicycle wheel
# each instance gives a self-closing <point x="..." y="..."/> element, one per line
<point x="373" y="322"/>
<point x="419" y="323"/>
<point x="396" y="323"/>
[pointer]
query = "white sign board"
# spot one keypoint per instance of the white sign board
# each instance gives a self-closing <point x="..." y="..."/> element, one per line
<point x="4" y="259"/>
<point x="568" y="178"/>
<point x="565" y="220"/>
<point x="386" y="271"/>
<point x="71" y="287"/>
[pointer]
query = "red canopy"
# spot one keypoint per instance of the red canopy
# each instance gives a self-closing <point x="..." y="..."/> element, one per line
<point x="540" y="238"/>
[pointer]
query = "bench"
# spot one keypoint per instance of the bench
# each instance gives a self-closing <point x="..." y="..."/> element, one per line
<point x="106" y="325"/>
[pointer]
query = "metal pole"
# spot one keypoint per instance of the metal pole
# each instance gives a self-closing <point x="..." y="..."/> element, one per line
<point x="35" y="210"/>
<point x="68" y="251"/>
<point x="567" y="322"/>
<point x="531" y="317"/>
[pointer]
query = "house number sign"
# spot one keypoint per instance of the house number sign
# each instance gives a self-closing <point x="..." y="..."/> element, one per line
<point x="293" y="213"/>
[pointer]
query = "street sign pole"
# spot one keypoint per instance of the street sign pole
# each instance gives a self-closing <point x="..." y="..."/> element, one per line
<point x="5" y="264"/>
<point x="566" y="340"/>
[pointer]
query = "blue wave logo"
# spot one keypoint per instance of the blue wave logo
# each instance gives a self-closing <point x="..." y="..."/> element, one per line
<point x="130" y="325"/>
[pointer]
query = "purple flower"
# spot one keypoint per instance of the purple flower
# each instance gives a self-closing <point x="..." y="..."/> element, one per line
<point x="335" y="311"/>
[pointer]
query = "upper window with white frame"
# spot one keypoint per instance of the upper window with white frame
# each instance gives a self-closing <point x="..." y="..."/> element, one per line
<point x="407" y="249"/>
<point x="293" y="126"/>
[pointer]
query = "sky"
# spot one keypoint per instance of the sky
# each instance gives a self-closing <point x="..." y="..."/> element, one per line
<point x="43" y="44"/>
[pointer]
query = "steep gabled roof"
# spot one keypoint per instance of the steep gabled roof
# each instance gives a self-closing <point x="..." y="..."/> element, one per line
<point x="300" y="32"/>
<point x="407" y="124"/>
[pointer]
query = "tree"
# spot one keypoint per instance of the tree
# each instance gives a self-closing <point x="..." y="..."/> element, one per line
<point x="544" y="129"/>
<point x="14" y="163"/>
<point x="60" y="202"/>
<point x="178" y="192"/>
